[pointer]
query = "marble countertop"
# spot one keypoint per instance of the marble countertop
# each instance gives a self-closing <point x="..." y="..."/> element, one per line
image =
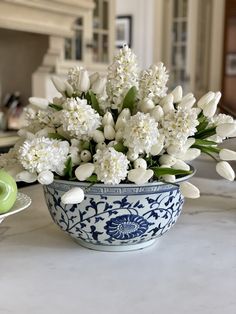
<point x="192" y="269"/>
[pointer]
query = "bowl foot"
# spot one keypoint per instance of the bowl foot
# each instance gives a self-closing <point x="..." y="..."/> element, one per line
<point x="115" y="248"/>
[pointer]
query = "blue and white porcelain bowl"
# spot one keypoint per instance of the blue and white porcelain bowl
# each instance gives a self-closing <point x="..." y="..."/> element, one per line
<point x="116" y="217"/>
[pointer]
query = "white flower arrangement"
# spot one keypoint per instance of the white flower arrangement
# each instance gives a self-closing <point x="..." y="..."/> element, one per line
<point x="123" y="128"/>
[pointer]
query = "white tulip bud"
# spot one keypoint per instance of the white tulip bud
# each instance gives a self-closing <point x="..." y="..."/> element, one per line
<point x="93" y="77"/>
<point x="98" y="136"/>
<point x="85" y="155"/>
<point x="167" y="160"/>
<point x="140" y="163"/>
<point x="167" y="99"/>
<point x="24" y="133"/>
<point x="45" y="177"/>
<point x="125" y="113"/>
<point x="83" y="82"/>
<point x="189" y="190"/>
<point x="132" y="156"/>
<point x="187" y="97"/>
<point x="187" y="103"/>
<point x="40" y="103"/>
<point x="59" y="84"/>
<point x="167" y="107"/>
<point x="112" y="143"/>
<point x="168" y="178"/>
<point x="84" y="171"/>
<point x="225" y="129"/>
<point x="119" y="135"/>
<point x="120" y="123"/>
<point x="227" y="154"/>
<point x="146" y="105"/>
<point x="177" y="94"/>
<point x="62" y="132"/>
<point x="156" y="148"/>
<point x="108" y="119"/>
<point x="109" y="132"/>
<point x="224" y="169"/>
<point x="173" y="149"/>
<point x="157" y="113"/>
<point x="205" y="99"/>
<point x="101" y="146"/>
<point x="44" y="132"/>
<point x="73" y="196"/>
<point x="191" y="154"/>
<point x="190" y="141"/>
<point x="69" y="89"/>
<point x="181" y="165"/>
<point x="26" y="176"/>
<point x="210" y="108"/>
<point x="140" y="175"/>
<point x="99" y="85"/>
<point x="74" y="155"/>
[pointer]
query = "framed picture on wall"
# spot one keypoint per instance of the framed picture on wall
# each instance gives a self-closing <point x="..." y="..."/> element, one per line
<point x="123" y="30"/>
<point x="231" y="64"/>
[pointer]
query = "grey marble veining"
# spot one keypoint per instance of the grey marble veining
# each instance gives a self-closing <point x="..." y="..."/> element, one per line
<point x="191" y="270"/>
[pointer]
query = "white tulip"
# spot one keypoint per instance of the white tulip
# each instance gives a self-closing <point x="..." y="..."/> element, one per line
<point x="83" y="82"/>
<point x="140" y="163"/>
<point x="98" y="136"/>
<point x="109" y="132"/>
<point x="167" y="160"/>
<point x="189" y="190"/>
<point x="84" y="171"/>
<point x="119" y="135"/>
<point x="59" y="84"/>
<point x="157" y="113"/>
<point x="45" y="177"/>
<point x="131" y="155"/>
<point x="168" y="178"/>
<point x="167" y="99"/>
<point x="227" y="154"/>
<point x="157" y="148"/>
<point x="187" y="97"/>
<point x="120" y="123"/>
<point x="225" y="129"/>
<point x="190" y="141"/>
<point x="26" y="176"/>
<point x="73" y="196"/>
<point x="181" y="165"/>
<point x="210" y="108"/>
<point x="44" y="132"/>
<point x="177" y="94"/>
<point x="69" y="89"/>
<point x="40" y="103"/>
<point x="125" y="113"/>
<point x="99" y="85"/>
<point x="93" y="77"/>
<point x="167" y="107"/>
<point x="112" y="143"/>
<point x="218" y="96"/>
<point x="26" y="134"/>
<point x="85" y="155"/>
<point x="74" y="155"/>
<point x="108" y="119"/>
<point x="140" y="175"/>
<point x="205" y="99"/>
<point x="224" y="169"/>
<point x="190" y="154"/>
<point x="187" y="103"/>
<point x="147" y="105"/>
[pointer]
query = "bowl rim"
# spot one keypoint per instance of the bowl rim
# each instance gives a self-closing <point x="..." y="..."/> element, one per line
<point x="126" y="185"/>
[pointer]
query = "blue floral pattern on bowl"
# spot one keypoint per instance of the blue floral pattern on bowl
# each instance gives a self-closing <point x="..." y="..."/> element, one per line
<point x="113" y="216"/>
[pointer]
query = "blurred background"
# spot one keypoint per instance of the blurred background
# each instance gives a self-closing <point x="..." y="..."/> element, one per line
<point x="196" y="39"/>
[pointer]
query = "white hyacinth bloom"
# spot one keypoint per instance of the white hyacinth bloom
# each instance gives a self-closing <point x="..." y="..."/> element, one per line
<point x="40" y="154"/>
<point x="111" y="166"/>
<point x="79" y="119"/>
<point x="122" y="75"/>
<point x="178" y="125"/>
<point x="152" y="84"/>
<point x="141" y="133"/>
<point x="224" y="169"/>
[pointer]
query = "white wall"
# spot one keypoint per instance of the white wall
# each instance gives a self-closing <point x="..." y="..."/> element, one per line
<point x="142" y="12"/>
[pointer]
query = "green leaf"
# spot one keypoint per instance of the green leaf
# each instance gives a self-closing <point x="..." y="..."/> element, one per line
<point x="119" y="147"/>
<point x="204" y="142"/>
<point x="94" y="102"/>
<point x="130" y="98"/>
<point x="56" y="136"/>
<point x="207" y="149"/>
<point x="206" y="133"/>
<point x="202" y="126"/>
<point x="56" y="107"/>
<point x="93" y="178"/>
<point x="158" y="172"/>
<point x="68" y="168"/>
